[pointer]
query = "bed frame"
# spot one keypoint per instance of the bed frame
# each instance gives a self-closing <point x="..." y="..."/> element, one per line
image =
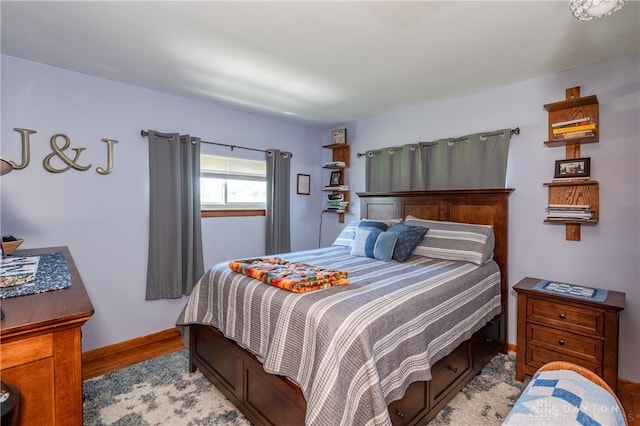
<point x="267" y="399"/>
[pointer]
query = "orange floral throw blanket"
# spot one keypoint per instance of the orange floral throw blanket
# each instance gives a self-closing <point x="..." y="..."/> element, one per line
<point x="295" y="277"/>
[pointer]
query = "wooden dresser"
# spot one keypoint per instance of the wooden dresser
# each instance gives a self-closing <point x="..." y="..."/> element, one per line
<point x="553" y="327"/>
<point x="40" y="349"/>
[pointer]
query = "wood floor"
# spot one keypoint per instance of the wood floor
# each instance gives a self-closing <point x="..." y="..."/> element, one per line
<point x="120" y="355"/>
<point x="629" y="395"/>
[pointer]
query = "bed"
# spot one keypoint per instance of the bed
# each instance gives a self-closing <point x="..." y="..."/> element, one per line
<point x="391" y="347"/>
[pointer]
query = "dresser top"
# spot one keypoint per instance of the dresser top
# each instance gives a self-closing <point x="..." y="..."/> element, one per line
<point x="614" y="300"/>
<point x="34" y="312"/>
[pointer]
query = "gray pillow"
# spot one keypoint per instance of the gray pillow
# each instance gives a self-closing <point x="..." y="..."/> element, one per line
<point x="455" y="241"/>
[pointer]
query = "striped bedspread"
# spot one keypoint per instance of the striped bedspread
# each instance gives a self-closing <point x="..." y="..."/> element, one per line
<point x="351" y="349"/>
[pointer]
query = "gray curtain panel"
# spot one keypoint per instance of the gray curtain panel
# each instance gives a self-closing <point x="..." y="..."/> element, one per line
<point x="474" y="161"/>
<point x="175" y="261"/>
<point x="278" y="237"/>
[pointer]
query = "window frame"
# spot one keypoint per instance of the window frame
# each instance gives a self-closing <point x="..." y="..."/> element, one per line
<point x="231" y="209"/>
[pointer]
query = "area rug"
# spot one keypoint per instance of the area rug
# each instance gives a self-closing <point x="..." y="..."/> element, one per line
<point x="161" y="391"/>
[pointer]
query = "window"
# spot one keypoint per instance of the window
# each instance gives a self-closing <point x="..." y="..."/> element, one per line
<point x="232" y="184"/>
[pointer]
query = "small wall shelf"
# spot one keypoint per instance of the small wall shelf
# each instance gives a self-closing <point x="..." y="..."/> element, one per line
<point x="573" y="192"/>
<point x="340" y="152"/>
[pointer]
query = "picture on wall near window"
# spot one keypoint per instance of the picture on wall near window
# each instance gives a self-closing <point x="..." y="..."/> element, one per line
<point x="336" y="178"/>
<point x="304" y="184"/>
<point x="576" y="168"/>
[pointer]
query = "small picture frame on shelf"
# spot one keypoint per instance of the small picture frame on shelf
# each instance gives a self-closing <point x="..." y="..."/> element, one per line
<point x="336" y="178"/>
<point x="339" y="137"/>
<point x="573" y="168"/>
<point x="304" y="184"/>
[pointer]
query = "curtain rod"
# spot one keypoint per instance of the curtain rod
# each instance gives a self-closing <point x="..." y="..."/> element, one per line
<point x="515" y="131"/>
<point x="145" y="133"/>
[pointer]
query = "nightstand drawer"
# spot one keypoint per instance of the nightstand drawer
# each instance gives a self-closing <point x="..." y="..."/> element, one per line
<point x="537" y="357"/>
<point x="567" y="317"/>
<point x="587" y="348"/>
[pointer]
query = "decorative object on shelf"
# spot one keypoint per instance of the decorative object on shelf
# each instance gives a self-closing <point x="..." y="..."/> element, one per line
<point x="336" y="178"/>
<point x="586" y="10"/>
<point x="573" y="168"/>
<point x="304" y="184"/>
<point x="339" y="137"/>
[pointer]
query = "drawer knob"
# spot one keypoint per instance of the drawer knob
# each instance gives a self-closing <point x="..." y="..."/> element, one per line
<point x="562" y="316"/>
<point x="401" y="414"/>
<point x="561" y="342"/>
<point x="489" y="339"/>
<point x="453" y="369"/>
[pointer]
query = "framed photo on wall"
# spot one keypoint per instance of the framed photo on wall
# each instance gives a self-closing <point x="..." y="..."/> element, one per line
<point x="573" y="168"/>
<point x="304" y="184"/>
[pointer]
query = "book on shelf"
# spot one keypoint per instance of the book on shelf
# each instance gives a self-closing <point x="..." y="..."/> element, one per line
<point x="570" y="129"/>
<point x="336" y="188"/>
<point x="574" y="135"/>
<point x="577" y="121"/>
<point x="569" y="211"/>
<point x="335" y="165"/>
<point x="570" y="179"/>
<point x="569" y="206"/>
<point x="339" y="137"/>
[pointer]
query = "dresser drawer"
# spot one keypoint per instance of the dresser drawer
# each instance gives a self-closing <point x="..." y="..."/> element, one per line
<point x="587" y="348"/>
<point x="538" y="356"/>
<point x="26" y="350"/>
<point x="568" y="317"/>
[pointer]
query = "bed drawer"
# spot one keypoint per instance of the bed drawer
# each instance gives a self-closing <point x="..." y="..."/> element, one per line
<point x="486" y="341"/>
<point x="448" y="370"/>
<point x="566" y="316"/>
<point x="412" y="405"/>
<point x="212" y="349"/>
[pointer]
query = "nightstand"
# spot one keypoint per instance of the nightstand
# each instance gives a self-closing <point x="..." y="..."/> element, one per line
<point x="40" y="350"/>
<point x="554" y="327"/>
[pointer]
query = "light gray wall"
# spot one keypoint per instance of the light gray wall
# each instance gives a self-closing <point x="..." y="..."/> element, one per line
<point x="104" y="219"/>
<point x="609" y="254"/>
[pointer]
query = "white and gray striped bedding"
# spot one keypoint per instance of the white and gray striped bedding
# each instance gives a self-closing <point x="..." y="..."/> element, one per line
<point x="352" y="349"/>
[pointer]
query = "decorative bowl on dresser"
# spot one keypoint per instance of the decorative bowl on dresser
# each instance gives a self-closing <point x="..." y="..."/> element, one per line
<point x="557" y="327"/>
<point x="41" y="351"/>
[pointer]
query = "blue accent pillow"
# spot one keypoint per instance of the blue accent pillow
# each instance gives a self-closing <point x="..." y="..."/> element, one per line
<point x="364" y="242"/>
<point x="385" y="243"/>
<point x="408" y="239"/>
<point x="373" y="224"/>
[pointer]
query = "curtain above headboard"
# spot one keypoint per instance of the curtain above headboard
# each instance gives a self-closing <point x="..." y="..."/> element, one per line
<point x="474" y="161"/>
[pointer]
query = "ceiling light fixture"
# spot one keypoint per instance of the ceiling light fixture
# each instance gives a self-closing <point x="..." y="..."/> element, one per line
<point x="586" y="10"/>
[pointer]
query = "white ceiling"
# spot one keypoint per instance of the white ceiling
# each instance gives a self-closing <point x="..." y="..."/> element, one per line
<point x="317" y="63"/>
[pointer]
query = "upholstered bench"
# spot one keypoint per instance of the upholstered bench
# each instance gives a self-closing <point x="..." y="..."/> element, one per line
<point x="563" y="393"/>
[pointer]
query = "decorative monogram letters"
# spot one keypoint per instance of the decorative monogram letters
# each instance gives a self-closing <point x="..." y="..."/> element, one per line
<point x="58" y="153"/>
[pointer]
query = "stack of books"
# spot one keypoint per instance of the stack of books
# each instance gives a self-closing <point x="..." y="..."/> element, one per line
<point x="337" y="206"/>
<point x="569" y="212"/>
<point x="335" y="165"/>
<point x="573" y="129"/>
<point x="336" y="188"/>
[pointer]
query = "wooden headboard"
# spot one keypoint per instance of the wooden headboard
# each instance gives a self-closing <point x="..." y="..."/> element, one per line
<point x="482" y="206"/>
